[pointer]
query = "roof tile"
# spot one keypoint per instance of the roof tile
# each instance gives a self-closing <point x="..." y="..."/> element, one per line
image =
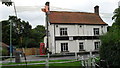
<point x="74" y="17"/>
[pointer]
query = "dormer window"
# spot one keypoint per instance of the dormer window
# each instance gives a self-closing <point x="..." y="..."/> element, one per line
<point x="63" y="31"/>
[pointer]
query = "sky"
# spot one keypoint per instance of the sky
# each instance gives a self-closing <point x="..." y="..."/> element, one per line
<point x="30" y="10"/>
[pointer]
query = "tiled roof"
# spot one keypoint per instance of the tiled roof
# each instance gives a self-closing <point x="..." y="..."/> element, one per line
<point x="62" y="17"/>
<point x="3" y="44"/>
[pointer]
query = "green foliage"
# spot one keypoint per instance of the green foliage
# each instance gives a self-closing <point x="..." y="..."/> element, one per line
<point x="7" y="3"/>
<point x="4" y="52"/>
<point x="116" y="16"/>
<point x="68" y="65"/>
<point x="110" y="48"/>
<point x="22" y="33"/>
<point x="5" y="31"/>
<point x="38" y="33"/>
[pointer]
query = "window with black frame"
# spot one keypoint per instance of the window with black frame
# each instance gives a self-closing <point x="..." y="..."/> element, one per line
<point x="64" y="47"/>
<point x="96" y="31"/>
<point x="96" y="44"/>
<point x="63" y="31"/>
<point x="81" y="46"/>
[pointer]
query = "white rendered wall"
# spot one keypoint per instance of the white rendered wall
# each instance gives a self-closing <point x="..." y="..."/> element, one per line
<point x="84" y="30"/>
<point x="73" y="30"/>
<point x="73" y="46"/>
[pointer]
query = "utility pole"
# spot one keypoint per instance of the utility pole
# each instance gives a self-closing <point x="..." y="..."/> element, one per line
<point x="47" y="32"/>
<point x="47" y="12"/>
<point x="10" y="3"/>
<point x="47" y="21"/>
<point x="11" y="47"/>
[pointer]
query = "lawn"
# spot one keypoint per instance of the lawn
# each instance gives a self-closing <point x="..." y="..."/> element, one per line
<point x="23" y="63"/>
<point x="29" y="66"/>
<point x="35" y="62"/>
<point x="76" y="64"/>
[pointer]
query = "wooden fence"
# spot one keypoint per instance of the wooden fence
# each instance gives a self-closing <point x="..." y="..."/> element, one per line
<point x="30" y="51"/>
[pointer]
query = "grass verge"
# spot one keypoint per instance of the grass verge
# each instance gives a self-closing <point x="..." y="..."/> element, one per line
<point x="35" y="62"/>
<point x="76" y="64"/>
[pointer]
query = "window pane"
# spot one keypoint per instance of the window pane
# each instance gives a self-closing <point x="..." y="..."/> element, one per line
<point x="81" y="46"/>
<point x="96" y="44"/>
<point x="63" y="31"/>
<point x="61" y="46"/>
<point x="96" y="31"/>
<point x="64" y="46"/>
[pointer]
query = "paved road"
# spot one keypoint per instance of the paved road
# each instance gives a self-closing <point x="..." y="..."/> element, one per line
<point x="38" y="58"/>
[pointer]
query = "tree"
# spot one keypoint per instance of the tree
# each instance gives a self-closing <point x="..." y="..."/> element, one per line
<point x="20" y="29"/>
<point x="5" y="31"/>
<point x="38" y="34"/>
<point x="7" y="3"/>
<point x="116" y="17"/>
<point x="110" y="48"/>
<point x="22" y="33"/>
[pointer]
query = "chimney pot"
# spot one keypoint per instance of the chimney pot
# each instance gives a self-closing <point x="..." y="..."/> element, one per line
<point x="96" y="9"/>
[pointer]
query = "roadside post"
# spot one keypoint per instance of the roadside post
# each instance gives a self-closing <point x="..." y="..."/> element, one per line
<point x="76" y="56"/>
<point x="47" y="60"/>
<point x="82" y="62"/>
<point x="47" y="12"/>
<point x="90" y="59"/>
<point x="24" y="56"/>
<point x="17" y="56"/>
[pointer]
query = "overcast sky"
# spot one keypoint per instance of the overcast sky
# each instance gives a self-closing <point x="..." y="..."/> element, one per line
<point x="30" y="10"/>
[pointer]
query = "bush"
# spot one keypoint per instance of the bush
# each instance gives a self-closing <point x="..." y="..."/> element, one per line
<point x="5" y="52"/>
<point x="110" y="48"/>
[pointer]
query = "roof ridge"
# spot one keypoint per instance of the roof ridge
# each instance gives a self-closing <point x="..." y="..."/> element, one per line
<point x="74" y="12"/>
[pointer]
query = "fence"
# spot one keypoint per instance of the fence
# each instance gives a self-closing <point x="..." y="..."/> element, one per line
<point x="30" y="51"/>
<point x="85" y="62"/>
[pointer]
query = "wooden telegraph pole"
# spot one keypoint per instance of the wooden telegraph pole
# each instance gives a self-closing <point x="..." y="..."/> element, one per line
<point x="47" y="12"/>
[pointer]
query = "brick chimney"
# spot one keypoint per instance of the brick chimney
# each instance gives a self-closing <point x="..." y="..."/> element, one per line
<point x="96" y="9"/>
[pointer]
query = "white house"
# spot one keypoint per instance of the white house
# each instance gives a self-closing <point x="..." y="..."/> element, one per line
<point x="75" y="31"/>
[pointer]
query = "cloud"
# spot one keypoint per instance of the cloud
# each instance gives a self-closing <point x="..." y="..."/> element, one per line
<point x="107" y="17"/>
<point x="34" y="18"/>
<point x="30" y="10"/>
<point x="5" y="12"/>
